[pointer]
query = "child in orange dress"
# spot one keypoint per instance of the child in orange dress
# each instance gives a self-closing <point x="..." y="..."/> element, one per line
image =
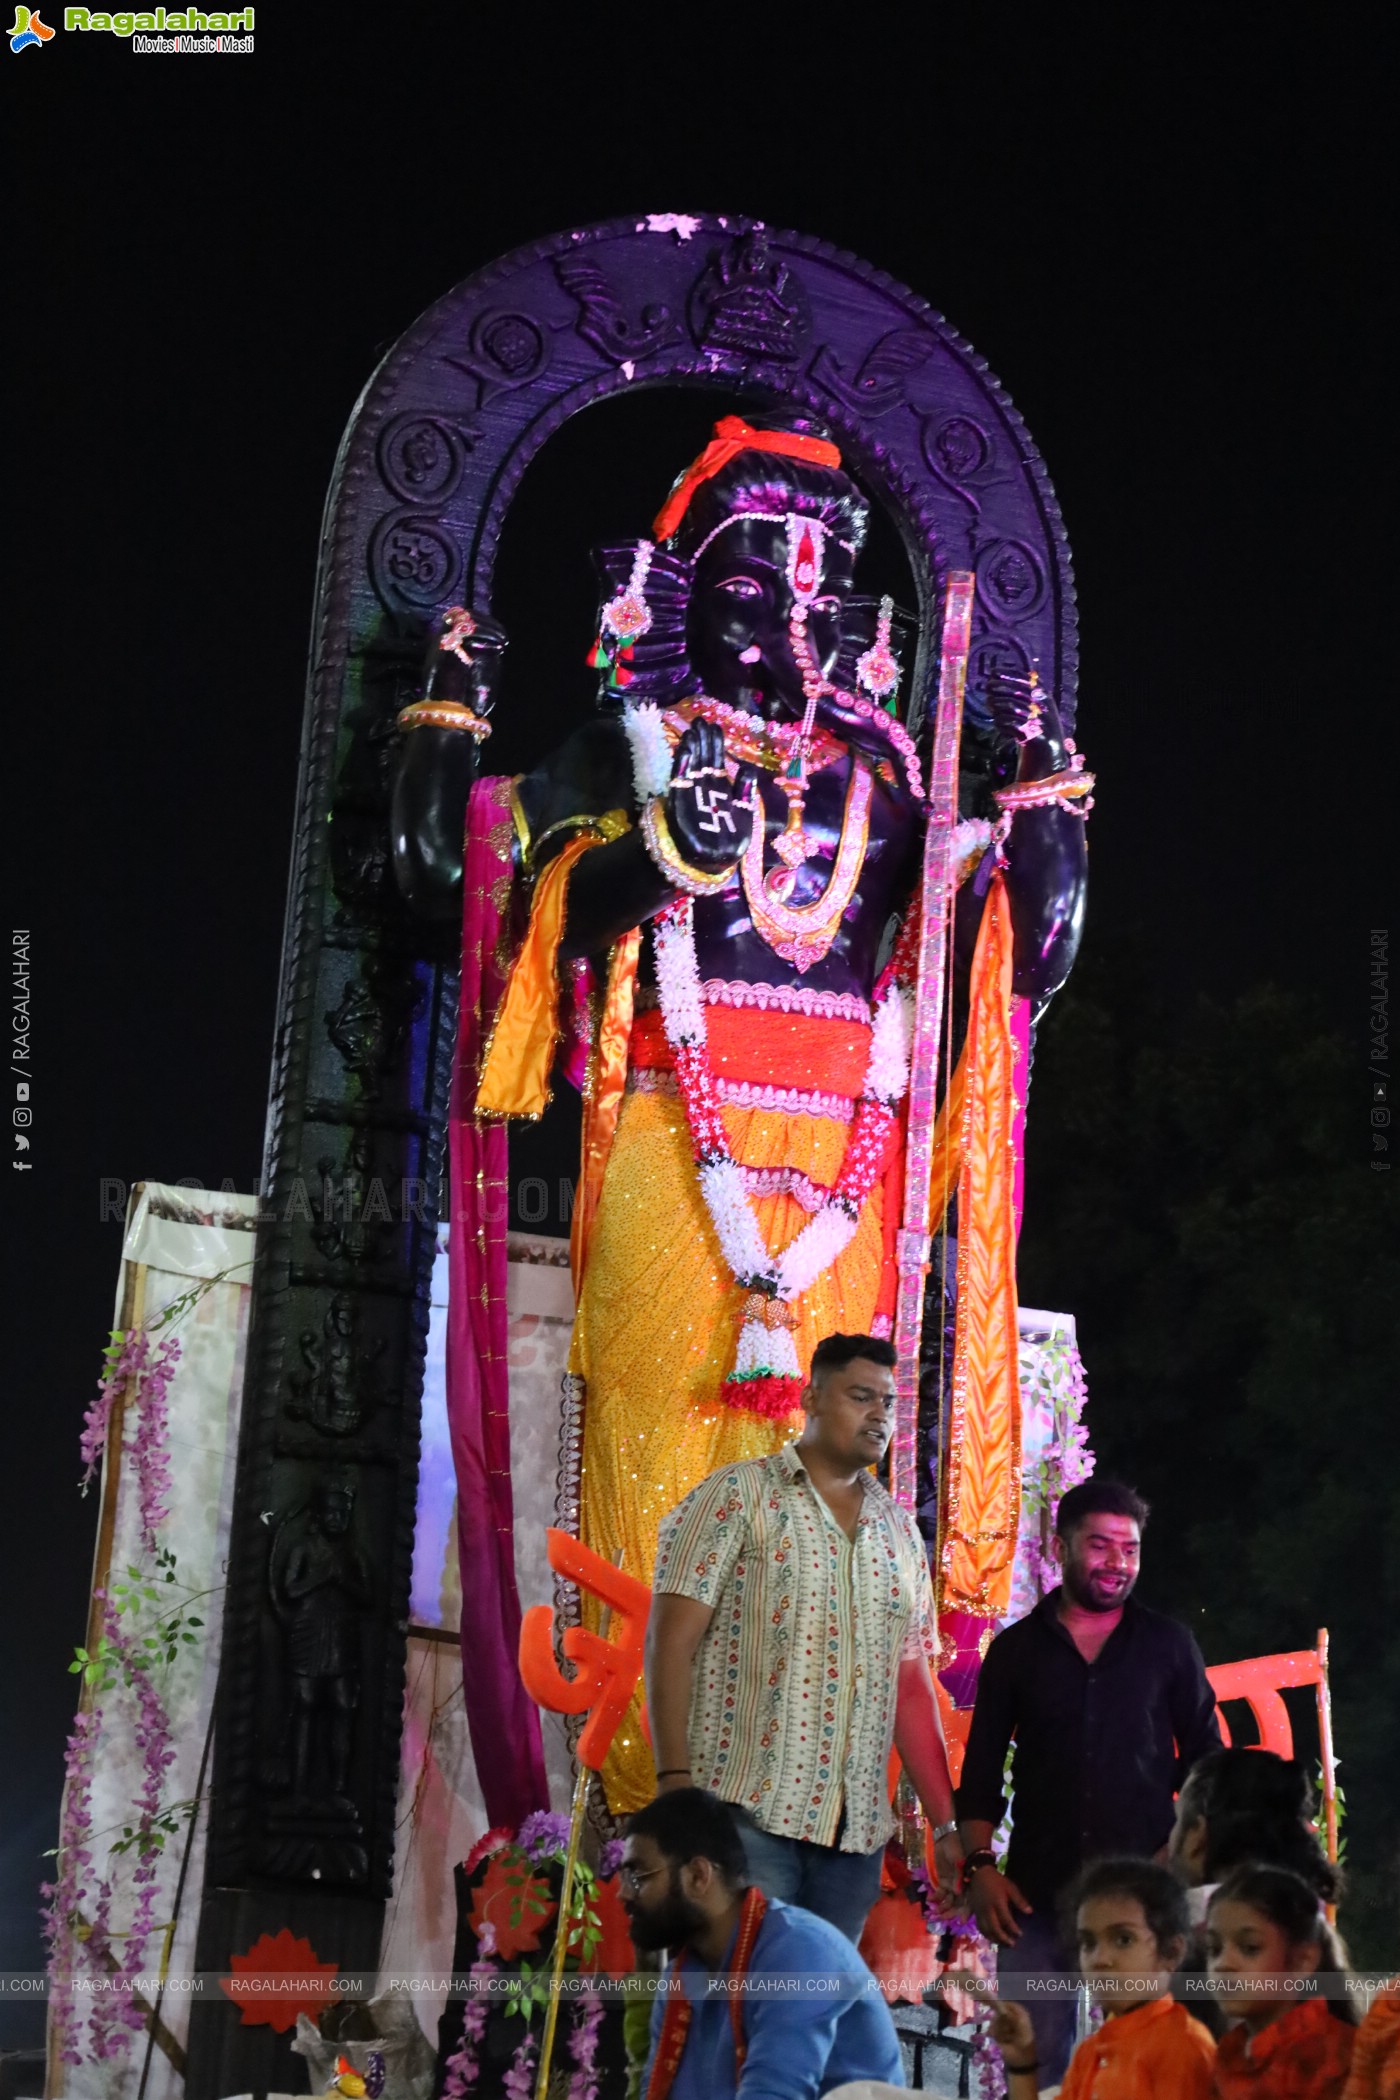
<point x="1131" y="1921"/>
<point x="1271" y="1954"/>
<point x="1375" y="2063"/>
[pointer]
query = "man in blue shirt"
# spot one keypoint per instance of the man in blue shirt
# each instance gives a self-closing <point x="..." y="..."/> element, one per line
<point x="767" y="2002"/>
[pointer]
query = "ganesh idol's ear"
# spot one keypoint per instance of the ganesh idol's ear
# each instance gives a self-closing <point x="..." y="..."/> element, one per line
<point x="860" y="632"/>
<point x="654" y="662"/>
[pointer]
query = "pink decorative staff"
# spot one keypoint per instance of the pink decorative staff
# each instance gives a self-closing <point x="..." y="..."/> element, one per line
<point x="936" y="894"/>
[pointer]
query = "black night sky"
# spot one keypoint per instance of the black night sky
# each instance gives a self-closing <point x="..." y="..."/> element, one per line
<point x="1169" y="248"/>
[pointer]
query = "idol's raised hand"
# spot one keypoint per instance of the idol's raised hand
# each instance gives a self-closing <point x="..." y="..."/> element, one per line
<point x="709" y="815"/>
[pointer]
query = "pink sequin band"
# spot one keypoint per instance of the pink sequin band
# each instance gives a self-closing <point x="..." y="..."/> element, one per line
<point x="786" y="1181"/>
<point x="787" y="999"/>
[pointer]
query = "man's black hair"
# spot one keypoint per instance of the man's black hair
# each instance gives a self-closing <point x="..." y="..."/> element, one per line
<point x="1099" y="1498"/>
<point x="690" y="1824"/>
<point x="835" y="1351"/>
<point x="1157" y="1889"/>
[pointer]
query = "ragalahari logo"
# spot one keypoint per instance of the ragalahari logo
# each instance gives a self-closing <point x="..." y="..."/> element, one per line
<point x="28" y="30"/>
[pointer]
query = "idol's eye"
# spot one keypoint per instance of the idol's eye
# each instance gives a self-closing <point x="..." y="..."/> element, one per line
<point x="830" y="606"/>
<point x="741" y="587"/>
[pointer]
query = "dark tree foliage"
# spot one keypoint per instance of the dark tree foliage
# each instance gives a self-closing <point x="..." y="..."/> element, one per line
<point x="1201" y="1196"/>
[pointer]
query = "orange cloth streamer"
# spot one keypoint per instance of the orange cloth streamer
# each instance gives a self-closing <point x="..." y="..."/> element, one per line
<point x="520" y="1055"/>
<point x="602" y="1095"/>
<point x="733" y="435"/>
<point x="984" y="1450"/>
<point x="605" y="1670"/>
<point x="945" y="1161"/>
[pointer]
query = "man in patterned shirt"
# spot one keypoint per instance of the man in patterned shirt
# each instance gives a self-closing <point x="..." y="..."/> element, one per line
<point x="791" y="1628"/>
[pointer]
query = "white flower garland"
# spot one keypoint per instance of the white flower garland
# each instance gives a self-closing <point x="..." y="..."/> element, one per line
<point x="830" y="1231"/>
<point x="891" y="1040"/>
<point x="651" y="753"/>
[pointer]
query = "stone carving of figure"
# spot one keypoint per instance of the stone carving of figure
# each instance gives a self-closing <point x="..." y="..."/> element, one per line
<point x="321" y="1584"/>
<point x="758" y="787"/>
<point x="338" y="1389"/>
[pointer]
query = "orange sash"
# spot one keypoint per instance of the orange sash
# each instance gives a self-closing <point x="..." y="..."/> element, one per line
<point x="984" y="1449"/>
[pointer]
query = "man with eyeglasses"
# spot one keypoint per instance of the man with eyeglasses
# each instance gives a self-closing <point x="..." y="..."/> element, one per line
<point x="763" y="2001"/>
<point x="788" y="1647"/>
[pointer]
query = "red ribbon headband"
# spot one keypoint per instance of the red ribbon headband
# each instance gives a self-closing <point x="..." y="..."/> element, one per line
<point x="733" y="435"/>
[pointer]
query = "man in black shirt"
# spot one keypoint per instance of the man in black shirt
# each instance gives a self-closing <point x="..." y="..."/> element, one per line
<point x="1109" y="1707"/>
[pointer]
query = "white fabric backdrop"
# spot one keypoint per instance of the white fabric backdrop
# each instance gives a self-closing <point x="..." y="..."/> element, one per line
<point x="203" y="1401"/>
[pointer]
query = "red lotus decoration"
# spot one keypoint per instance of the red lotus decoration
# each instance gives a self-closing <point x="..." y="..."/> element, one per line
<point x="265" y="1983"/>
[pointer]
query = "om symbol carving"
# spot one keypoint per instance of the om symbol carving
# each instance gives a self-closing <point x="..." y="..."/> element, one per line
<point x="413" y="562"/>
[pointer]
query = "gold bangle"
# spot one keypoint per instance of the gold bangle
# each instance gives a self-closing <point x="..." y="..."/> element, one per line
<point x="443" y="714"/>
<point x="656" y="837"/>
<point x="609" y="826"/>
<point x="1066" y="788"/>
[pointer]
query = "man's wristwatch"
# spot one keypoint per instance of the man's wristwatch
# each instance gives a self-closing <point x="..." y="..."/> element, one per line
<point x="975" y="1861"/>
<point x="943" y="1830"/>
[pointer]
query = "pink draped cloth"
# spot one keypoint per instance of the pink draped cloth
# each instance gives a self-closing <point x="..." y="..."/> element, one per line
<point x="504" y="1722"/>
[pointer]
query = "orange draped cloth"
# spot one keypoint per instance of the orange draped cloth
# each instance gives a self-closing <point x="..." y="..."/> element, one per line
<point x="983" y="1489"/>
<point x="516" y="1069"/>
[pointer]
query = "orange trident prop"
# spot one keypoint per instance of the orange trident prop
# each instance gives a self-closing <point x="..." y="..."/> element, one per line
<point x="605" y="1669"/>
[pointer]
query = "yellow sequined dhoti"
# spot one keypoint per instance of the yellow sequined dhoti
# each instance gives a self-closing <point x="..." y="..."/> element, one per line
<point x="659" y="1313"/>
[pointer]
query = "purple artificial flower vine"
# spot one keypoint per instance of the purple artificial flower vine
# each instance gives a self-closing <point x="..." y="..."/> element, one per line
<point x="583" y="2047"/>
<point x="153" y="1740"/>
<point x="63" y="1896"/>
<point x="134" y="1367"/>
<point x="123" y="1361"/>
<point x="150" y="1445"/>
<point x="519" y="2081"/>
<point x="610" y="1858"/>
<point x="464" y="2066"/>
